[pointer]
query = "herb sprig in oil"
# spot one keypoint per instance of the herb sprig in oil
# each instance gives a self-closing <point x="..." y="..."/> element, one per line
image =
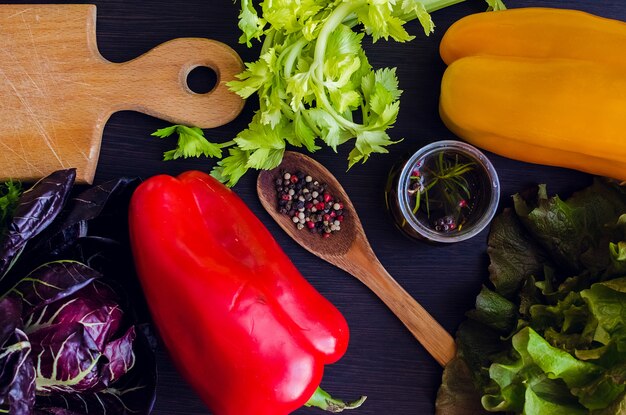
<point x="442" y="187"/>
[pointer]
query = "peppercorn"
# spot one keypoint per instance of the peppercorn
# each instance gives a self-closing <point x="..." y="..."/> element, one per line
<point x="445" y="224"/>
<point x="308" y="203"/>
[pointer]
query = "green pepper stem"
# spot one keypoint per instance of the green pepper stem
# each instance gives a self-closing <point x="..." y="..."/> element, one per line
<point x="321" y="399"/>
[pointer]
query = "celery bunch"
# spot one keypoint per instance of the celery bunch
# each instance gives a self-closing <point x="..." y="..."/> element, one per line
<point x="314" y="81"/>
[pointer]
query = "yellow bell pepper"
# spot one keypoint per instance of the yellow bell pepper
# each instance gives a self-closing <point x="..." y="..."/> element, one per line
<point x="535" y="32"/>
<point x="526" y="84"/>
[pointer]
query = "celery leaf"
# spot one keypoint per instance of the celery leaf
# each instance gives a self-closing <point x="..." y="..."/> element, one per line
<point x="191" y="143"/>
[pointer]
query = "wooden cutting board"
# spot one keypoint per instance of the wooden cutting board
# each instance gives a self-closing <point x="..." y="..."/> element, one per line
<point x="58" y="91"/>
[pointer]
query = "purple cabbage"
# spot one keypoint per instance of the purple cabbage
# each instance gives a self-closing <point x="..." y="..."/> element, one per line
<point x="35" y="210"/>
<point x="68" y="342"/>
<point x="17" y="370"/>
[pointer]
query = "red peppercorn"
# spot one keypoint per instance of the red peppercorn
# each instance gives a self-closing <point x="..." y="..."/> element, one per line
<point x="310" y="224"/>
<point x="308" y="205"/>
<point x="340" y="218"/>
<point x="340" y="205"/>
<point x="319" y="206"/>
<point x="462" y="203"/>
<point x="326" y="217"/>
<point x="327" y="197"/>
<point x="285" y="197"/>
<point x="326" y="235"/>
<point x="294" y="179"/>
<point x="333" y="214"/>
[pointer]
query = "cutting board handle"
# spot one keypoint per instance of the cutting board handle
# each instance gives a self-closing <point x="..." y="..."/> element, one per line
<point x="155" y="83"/>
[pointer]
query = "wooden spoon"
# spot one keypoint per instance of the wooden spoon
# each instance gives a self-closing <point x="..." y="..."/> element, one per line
<point x="350" y="250"/>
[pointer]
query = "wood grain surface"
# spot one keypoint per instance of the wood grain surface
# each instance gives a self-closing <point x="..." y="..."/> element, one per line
<point x="384" y="361"/>
<point x="58" y="91"/>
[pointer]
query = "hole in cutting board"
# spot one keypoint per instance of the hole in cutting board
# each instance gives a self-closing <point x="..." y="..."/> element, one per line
<point x="201" y="79"/>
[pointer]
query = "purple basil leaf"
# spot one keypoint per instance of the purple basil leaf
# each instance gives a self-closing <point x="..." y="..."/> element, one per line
<point x="11" y="312"/>
<point x="87" y="357"/>
<point x="107" y="203"/>
<point x="51" y="282"/>
<point x="121" y="357"/>
<point x="73" y="340"/>
<point x="95" y="307"/>
<point x="132" y="394"/>
<point x="35" y="210"/>
<point x="17" y="373"/>
<point x="66" y="359"/>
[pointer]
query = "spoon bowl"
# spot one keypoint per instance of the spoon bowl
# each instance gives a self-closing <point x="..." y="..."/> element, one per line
<point x="340" y="242"/>
<point x="350" y="250"/>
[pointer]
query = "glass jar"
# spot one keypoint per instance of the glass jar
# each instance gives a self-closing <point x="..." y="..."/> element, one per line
<point x="446" y="192"/>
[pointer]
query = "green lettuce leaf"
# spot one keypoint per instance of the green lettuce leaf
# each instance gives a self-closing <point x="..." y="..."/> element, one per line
<point x="550" y="336"/>
<point x="514" y="255"/>
<point x="607" y="302"/>
<point x="617" y="407"/>
<point x="572" y="231"/>
<point x="457" y="395"/>
<point x="494" y="311"/>
<point x="536" y="382"/>
<point x="605" y="389"/>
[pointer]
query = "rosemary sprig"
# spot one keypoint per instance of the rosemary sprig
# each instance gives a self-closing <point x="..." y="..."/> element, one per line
<point x="447" y="173"/>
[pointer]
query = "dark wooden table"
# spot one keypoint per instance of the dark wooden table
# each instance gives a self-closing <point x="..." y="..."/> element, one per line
<point x="383" y="361"/>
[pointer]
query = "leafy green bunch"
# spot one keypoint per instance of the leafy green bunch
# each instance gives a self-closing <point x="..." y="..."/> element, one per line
<point x="313" y="81"/>
<point x="548" y="335"/>
<point x="10" y="192"/>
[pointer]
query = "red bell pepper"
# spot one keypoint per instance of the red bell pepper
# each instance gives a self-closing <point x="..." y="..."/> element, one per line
<point x="242" y="325"/>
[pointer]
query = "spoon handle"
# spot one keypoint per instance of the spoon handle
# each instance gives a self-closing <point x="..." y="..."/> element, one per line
<point x="364" y="265"/>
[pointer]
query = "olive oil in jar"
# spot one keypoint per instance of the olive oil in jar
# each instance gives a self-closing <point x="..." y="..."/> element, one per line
<point x="446" y="192"/>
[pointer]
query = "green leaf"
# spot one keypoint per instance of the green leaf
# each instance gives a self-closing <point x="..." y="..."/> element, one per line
<point x="478" y="345"/>
<point x="368" y="142"/>
<point x="618" y="257"/>
<point x="165" y="132"/>
<point x="618" y="406"/>
<point x="343" y="57"/>
<point x="418" y="8"/>
<point x="265" y="158"/>
<point x="250" y="23"/>
<point x="607" y="302"/>
<point x="554" y="362"/>
<point x="535" y="404"/>
<point x="558" y="262"/>
<point x="265" y="144"/>
<point x="288" y="16"/>
<point x="379" y="21"/>
<point x="191" y="143"/>
<point x="9" y="195"/>
<point x="603" y="390"/>
<point x="303" y="134"/>
<point x="571" y="231"/>
<point x="257" y="75"/>
<point x="495" y="5"/>
<point x="313" y="78"/>
<point x="230" y="169"/>
<point x="552" y="220"/>
<point x="539" y="379"/>
<point x="494" y="311"/>
<point x="513" y="255"/>
<point x="458" y="391"/>
<point x="329" y="129"/>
